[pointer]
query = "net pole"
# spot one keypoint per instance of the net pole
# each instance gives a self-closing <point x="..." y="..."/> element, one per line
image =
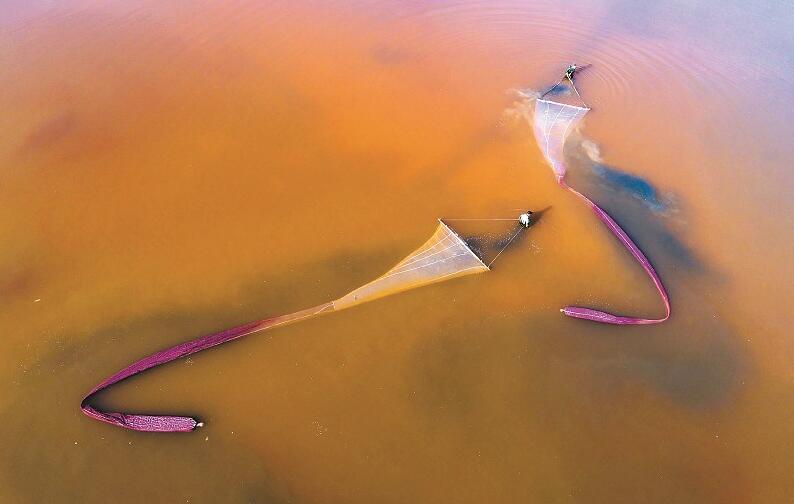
<point x="552" y="87"/>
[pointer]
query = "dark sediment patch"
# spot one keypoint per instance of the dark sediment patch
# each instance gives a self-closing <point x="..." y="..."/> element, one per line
<point x="388" y="55"/>
<point x="49" y="445"/>
<point x="636" y="203"/>
<point x="633" y="185"/>
<point x="49" y="133"/>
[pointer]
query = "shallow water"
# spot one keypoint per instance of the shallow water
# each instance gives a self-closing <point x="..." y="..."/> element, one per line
<point x="169" y="170"/>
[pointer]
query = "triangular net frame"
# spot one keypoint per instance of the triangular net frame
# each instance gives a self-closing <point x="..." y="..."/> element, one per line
<point x="552" y="123"/>
<point x="442" y="257"/>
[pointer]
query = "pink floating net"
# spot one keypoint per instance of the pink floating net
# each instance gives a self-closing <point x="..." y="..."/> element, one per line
<point x="442" y="257"/>
<point x="552" y="123"/>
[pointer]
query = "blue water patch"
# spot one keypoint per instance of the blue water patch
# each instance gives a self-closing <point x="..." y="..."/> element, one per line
<point x="559" y="89"/>
<point x="632" y="184"/>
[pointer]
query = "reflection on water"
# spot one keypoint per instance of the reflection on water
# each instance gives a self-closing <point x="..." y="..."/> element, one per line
<point x="171" y="170"/>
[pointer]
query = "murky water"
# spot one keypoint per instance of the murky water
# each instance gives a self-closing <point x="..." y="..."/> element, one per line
<point x="171" y="169"/>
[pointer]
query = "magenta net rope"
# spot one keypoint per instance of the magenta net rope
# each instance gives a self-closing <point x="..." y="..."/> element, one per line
<point x="552" y="123"/>
<point x="168" y="423"/>
<point x="608" y="318"/>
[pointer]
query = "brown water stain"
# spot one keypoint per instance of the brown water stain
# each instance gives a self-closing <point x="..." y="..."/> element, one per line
<point x="49" y="133"/>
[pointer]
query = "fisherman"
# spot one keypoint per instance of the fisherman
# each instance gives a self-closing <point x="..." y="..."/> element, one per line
<point x="569" y="73"/>
<point x="525" y="219"/>
<point x="572" y="68"/>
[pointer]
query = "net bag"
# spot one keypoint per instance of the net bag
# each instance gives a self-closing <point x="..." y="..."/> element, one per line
<point x="442" y="257"/>
<point x="552" y="123"/>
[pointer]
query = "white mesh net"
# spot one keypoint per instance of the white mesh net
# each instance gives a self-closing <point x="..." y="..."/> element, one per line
<point x="553" y="122"/>
<point x="445" y="255"/>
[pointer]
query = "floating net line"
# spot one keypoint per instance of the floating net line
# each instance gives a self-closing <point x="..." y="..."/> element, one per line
<point x="442" y="257"/>
<point x="552" y="123"/>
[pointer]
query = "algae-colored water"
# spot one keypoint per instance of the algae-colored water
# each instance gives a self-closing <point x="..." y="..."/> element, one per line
<point x="171" y="169"/>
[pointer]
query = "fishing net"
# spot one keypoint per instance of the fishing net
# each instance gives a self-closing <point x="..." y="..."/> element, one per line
<point x="442" y="257"/>
<point x="552" y="123"/>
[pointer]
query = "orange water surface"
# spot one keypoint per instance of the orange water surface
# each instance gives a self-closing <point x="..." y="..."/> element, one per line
<point x="170" y="169"/>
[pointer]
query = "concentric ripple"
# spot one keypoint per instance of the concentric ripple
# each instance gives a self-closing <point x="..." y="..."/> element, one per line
<point x="634" y="53"/>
